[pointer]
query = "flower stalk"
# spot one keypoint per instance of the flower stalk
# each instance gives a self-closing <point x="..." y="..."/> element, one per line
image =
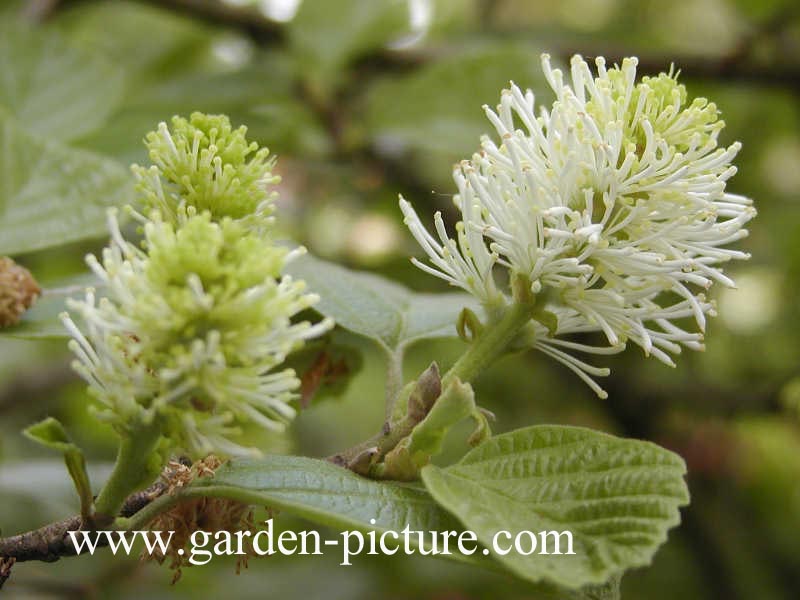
<point x="138" y="464"/>
<point x="496" y="336"/>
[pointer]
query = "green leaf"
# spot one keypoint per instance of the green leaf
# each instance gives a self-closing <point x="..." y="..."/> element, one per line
<point x="455" y="403"/>
<point x="41" y="320"/>
<point x="422" y="118"/>
<point x="187" y="66"/>
<point x="618" y="497"/>
<point x="51" y="434"/>
<point x="377" y="308"/>
<point x="335" y="497"/>
<point x="175" y="42"/>
<point x="325" y="36"/>
<point x="605" y="591"/>
<point x="52" y="88"/>
<point x="51" y="194"/>
<point x="324" y="493"/>
<point x="271" y="112"/>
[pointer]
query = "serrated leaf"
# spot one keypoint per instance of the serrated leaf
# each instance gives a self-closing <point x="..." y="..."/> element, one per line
<point x="52" y="88"/>
<point x="618" y="497"/>
<point x="41" y="320"/>
<point x="332" y="496"/>
<point x="377" y="308"/>
<point x="51" y="434"/>
<point x="51" y="194"/>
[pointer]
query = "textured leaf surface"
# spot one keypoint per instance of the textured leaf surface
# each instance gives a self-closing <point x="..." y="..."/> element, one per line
<point x="618" y="497"/>
<point x="51" y="194"/>
<point x="327" y="494"/>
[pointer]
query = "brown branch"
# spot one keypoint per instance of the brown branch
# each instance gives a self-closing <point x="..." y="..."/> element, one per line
<point x="47" y="544"/>
<point x="248" y="20"/>
<point x="5" y="569"/>
<point x="51" y="542"/>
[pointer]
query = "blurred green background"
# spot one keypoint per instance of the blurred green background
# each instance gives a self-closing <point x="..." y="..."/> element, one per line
<point x="365" y="99"/>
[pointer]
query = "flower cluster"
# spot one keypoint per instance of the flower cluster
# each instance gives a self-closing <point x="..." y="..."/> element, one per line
<point x="193" y="324"/>
<point x="612" y="204"/>
<point x="203" y="164"/>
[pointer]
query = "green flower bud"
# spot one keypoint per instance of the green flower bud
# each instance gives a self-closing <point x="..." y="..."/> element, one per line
<point x="203" y="164"/>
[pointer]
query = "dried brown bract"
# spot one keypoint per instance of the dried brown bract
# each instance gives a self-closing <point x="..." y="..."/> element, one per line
<point x="207" y="514"/>
<point x="18" y="291"/>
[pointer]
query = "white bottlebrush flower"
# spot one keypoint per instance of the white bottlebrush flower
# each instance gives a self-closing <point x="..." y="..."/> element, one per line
<point x="612" y="203"/>
<point x="192" y="331"/>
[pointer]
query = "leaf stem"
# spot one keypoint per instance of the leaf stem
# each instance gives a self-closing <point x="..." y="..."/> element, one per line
<point x="394" y="379"/>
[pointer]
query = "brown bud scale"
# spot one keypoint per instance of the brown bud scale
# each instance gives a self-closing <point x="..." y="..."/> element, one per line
<point x="18" y="291"/>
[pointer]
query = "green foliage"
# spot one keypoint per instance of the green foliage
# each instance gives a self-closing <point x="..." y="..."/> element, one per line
<point x="324" y="493"/>
<point x="52" y="88"/>
<point x="456" y="403"/>
<point x="53" y="92"/>
<point x="618" y="497"/>
<point x="325" y="36"/>
<point x="423" y="117"/>
<point x="52" y="194"/>
<point x="51" y="433"/>
<point x="114" y="30"/>
<point x="369" y="305"/>
<point x="355" y="123"/>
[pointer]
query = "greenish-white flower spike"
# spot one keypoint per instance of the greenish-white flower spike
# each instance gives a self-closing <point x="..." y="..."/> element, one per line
<point x="191" y="331"/>
<point x="195" y="321"/>
<point x="204" y="164"/>
<point x="613" y="204"/>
